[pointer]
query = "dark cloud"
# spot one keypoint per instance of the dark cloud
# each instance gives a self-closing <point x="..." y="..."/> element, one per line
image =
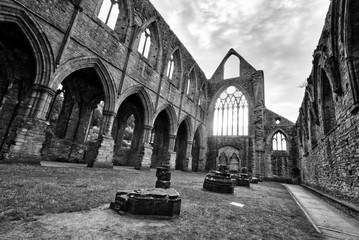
<point x="276" y="36"/>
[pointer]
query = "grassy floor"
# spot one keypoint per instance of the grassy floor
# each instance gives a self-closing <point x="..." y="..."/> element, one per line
<point x="269" y="212"/>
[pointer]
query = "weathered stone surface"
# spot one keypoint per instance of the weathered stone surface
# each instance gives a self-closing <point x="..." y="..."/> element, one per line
<point x="154" y="201"/>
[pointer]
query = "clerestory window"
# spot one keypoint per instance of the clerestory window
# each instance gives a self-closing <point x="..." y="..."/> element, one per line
<point x="170" y="68"/>
<point x="191" y="80"/>
<point x="109" y="12"/>
<point x="145" y="43"/>
<point x="279" y="142"/>
<point x="231" y="113"/>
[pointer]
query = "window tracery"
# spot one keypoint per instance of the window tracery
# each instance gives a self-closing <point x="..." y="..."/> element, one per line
<point x="279" y="142"/>
<point x="145" y="43"/>
<point x="231" y="113"/>
<point x="109" y="12"/>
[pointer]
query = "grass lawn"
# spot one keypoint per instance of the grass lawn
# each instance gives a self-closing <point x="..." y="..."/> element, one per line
<point x="269" y="212"/>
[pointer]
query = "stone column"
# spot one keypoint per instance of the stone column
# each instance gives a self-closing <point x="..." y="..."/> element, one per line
<point x="144" y="158"/>
<point x="202" y="159"/>
<point x="188" y="165"/>
<point x="106" y="143"/>
<point x="31" y="136"/>
<point x="171" y="158"/>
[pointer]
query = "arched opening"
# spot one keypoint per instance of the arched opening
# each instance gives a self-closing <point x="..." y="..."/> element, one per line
<point x="181" y="146"/>
<point x="109" y="12"/>
<point x="148" y="44"/>
<point x="160" y="139"/>
<point x="232" y="67"/>
<point x="17" y="74"/>
<point x="191" y="85"/>
<point x="127" y="131"/>
<point x="74" y="116"/>
<point x="231" y="113"/>
<point x="174" y="70"/>
<point x="328" y="107"/>
<point x="279" y="142"/>
<point x="313" y="130"/>
<point x="196" y="147"/>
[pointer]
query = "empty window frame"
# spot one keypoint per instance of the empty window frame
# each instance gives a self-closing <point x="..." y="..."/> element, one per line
<point x="145" y="43"/>
<point x="191" y="80"/>
<point x="109" y="12"/>
<point x="231" y="113"/>
<point x="170" y="67"/>
<point x="232" y="67"/>
<point x="279" y="142"/>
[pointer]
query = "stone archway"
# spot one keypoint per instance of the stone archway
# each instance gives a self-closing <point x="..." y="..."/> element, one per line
<point x="181" y="146"/>
<point x="196" y="149"/>
<point x="71" y="117"/>
<point x="229" y="156"/>
<point x="160" y="138"/>
<point x="128" y="130"/>
<point x="17" y="76"/>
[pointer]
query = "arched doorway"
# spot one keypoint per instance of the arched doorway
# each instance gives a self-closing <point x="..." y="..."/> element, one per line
<point x="17" y="75"/>
<point x="196" y="147"/>
<point x="160" y="139"/>
<point x="73" y="117"/>
<point x="127" y="131"/>
<point x="181" y="146"/>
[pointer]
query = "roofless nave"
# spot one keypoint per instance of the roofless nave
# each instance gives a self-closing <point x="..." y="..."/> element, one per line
<point x="108" y="82"/>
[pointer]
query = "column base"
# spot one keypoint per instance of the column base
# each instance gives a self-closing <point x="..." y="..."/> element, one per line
<point x="105" y="153"/>
<point x="144" y="158"/>
<point x="28" y="143"/>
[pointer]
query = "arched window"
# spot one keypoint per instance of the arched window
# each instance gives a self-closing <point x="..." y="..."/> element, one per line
<point x="279" y="142"/>
<point x="145" y="43"/>
<point x="109" y="12"/>
<point x="328" y="105"/>
<point x="232" y="67"/>
<point x="174" y="68"/>
<point x="191" y="82"/>
<point x="231" y="113"/>
<point x="170" y="67"/>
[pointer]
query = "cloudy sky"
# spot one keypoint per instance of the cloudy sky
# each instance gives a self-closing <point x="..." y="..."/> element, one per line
<point x="276" y="36"/>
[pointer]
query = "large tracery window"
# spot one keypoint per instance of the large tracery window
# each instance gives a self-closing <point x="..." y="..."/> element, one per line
<point x="109" y="12"/>
<point x="279" y="142"/>
<point x="145" y="43"/>
<point x="231" y="113"/>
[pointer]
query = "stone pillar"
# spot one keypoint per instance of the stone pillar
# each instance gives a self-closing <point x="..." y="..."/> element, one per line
<point x="144" y="158"/>
<point x="189" y="156"/>
<point x="106" y="143"/>
<point x="31" y="136"/>
<point x="202" y="159"/>
<point x="171" y="157"/>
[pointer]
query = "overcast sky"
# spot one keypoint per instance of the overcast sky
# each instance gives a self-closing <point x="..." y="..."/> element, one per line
<point x="276" y="36"/>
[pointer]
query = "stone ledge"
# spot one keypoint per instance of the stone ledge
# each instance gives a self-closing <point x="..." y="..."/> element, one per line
<point x="345" y="206"/>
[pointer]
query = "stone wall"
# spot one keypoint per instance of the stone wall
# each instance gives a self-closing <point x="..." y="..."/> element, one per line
<point x="328" y="132"/>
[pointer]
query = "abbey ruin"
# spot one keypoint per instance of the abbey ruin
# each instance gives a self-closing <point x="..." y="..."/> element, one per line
<point x="108" y="82"/>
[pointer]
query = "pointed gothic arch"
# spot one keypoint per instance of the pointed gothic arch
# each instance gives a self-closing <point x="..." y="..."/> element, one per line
<point x="45" y="62"/>
<point x="101" y="70"/>
<point x="154" y="54"/>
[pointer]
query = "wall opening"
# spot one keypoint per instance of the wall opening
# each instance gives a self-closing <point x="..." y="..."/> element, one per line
<point x="231" y="113"/>
<point x="232" y="67"/>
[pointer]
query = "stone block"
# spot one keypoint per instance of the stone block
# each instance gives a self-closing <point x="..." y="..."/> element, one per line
<point x="163" y="184"/>
<point x="153" y="201"/>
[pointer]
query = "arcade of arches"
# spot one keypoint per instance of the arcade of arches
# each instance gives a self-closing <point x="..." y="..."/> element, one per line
<point x="108" y="83"/>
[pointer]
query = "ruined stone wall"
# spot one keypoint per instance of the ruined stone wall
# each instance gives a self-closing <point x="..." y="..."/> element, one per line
<point x="278" y="165"/>
<point x="328" y="133"/>
<point x="76" y="39"/>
